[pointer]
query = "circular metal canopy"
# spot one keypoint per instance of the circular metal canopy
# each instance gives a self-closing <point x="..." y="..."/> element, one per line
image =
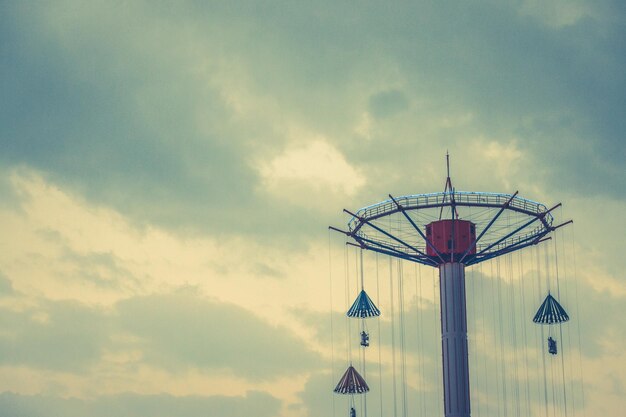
<point x="503" y="223"/>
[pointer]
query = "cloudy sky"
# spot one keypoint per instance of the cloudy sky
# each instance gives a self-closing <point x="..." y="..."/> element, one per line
<point x="168" y="171"/>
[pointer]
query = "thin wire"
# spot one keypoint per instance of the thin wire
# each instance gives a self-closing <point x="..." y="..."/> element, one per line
<point x="495" y="335"/>
<point x="380" y="369"/>
<point x="402" y="333"/>
<point x="332" y="339"/>
<point x="543" y="347"/>
<point x="501" y="327"/>
<point x="437" y="368"/>
<point x="393" y="339"/>
<point x="580" y="358"/>
<point x="558" y="289"/>
<point x="420" y="333"/>
<point x="472" y="289"/>
<point x="524" y="327"/>
<point x="554" y="401"/>
<point x="569" y="334"/>
<point x="509" y="273"/>
<point x="363" y="329"/>
<point x="484" y="330"/>
<point x="347" y="302"/>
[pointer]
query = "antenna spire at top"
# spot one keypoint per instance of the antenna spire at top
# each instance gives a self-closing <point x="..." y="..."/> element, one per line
<point x="448" y="163"/>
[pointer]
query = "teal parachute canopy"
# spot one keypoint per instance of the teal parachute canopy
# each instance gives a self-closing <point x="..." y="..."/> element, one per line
<point x="363" y="307"/>
<point x="550" y="312"/>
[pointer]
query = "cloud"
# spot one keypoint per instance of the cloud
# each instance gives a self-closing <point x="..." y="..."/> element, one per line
<point x="132" y="405"/>
<point x="162" y="122"/>
<point x="387" y="103"/>
<point x="6" y="287"/>
<point x="63" y="336"/>
<point x="176" y="332"/>
<point x="310" y="174"/>
<point x="187" y="331"/>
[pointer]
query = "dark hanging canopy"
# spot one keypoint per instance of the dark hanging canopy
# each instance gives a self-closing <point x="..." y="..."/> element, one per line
<point x="550" y="312"/>
<point x="351" y="383"/>
<point x="363" y="307"/>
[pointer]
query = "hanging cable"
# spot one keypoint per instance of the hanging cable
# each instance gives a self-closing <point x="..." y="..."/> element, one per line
<point x="438" y="365"/>
<point x="402" y="334"/>
<point x="420" y="336"/>
<point x="495" y="337"/>
<point x="524" y="312"/>
<point x="332" y="339"/>
<point x="393" y="339"/>
<point x="347" y="301"/>
<point x="551" y="363"/>
<point x="363" y="331"/>
<point x="569" y="334"/>
<point x="558" y="289"/>
<point x="380" y="369"/>
<point x="580" y="357"/>
<point x="511" y="296"/>
<point x="484" y="332"/>
<point x="543" y="346"/>
<point x="503" y="366"/>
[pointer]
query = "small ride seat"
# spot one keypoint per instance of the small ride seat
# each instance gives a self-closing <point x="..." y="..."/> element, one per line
<point x="552" y="346"/>
<point x="365" y="339"/>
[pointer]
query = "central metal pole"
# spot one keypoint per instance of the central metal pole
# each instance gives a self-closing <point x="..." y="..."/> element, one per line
<point x="456" y="389"/>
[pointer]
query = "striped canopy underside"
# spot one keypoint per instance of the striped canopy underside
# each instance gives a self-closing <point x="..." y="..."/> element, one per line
<point x="550" y="312"/>
<point x="363" y="307"/>
<point x="351" y="383"/>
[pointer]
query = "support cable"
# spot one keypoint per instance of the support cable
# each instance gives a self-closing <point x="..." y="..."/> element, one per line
<point x="543" y="347"/>
<point x="569" y="333"/>
<point x="347" y="301"/>
<point x="580" y="357"/>
<point x="558" y="289"/>
<point x="524" y="328"/>
<point x="402" y="338"/>
<point x="503" y="368"/>
<point x="363" y="329"/>
<point x="437" y="368"/>
<point x="554" y="400"/>
<point x="495" y="336"/>
<point x="332" y="339"/>
<point x="484" y="331"/>
<point x="380" y="369"/>
<point x="393" y="340"/>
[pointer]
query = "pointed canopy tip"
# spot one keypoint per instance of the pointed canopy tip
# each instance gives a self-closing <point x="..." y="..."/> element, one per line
<point x="550" y="312"/>
<point x="351" y="383"/>
<point x="363" y="307"/>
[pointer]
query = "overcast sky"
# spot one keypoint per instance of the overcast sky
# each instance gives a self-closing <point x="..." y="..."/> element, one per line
<point x="168" y="171"/>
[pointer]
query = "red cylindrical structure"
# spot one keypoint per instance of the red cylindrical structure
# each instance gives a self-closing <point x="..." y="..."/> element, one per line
<point x="450" y="236"/>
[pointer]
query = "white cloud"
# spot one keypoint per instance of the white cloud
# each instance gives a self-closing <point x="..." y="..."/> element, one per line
<point x="309" y="173"/>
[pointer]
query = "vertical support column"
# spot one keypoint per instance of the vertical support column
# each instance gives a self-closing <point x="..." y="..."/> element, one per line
<point x="456" y="388"/>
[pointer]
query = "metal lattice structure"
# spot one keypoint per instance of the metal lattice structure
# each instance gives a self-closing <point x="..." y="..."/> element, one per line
<point x="396" y="226"/>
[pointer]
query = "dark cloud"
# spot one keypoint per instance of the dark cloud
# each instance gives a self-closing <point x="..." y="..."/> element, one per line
<point x="387" y="103"/>
<point x="133" y="405"/>
<point x="188" y="331"/>
<point x="101" y="269"/>
<point x="175" y="332"/>
<point x="6" y="286"/>
<point x="62" y="335"/>
<point x="128" y="113"/>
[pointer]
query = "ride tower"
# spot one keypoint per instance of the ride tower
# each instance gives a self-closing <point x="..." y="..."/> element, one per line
<point x="449" y="231"/>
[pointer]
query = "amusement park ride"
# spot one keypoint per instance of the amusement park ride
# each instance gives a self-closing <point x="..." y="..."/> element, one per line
<point x="449" y="231"/>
